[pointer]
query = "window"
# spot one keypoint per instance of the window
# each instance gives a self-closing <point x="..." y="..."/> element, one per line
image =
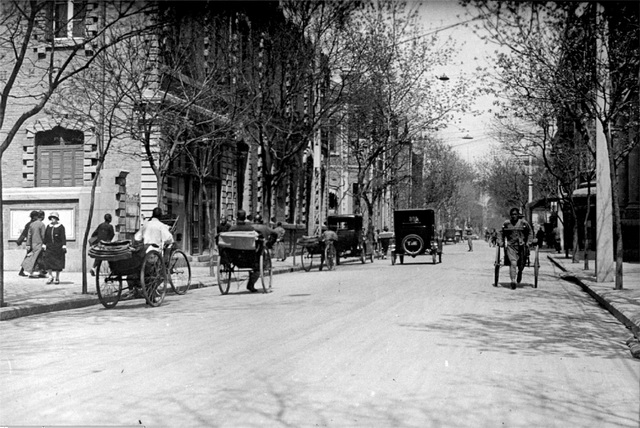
<point x="59" y="158"/>
<point x="68" y="18"/>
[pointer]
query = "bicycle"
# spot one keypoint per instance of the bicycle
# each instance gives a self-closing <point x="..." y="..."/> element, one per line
<point x="178" y="269"/>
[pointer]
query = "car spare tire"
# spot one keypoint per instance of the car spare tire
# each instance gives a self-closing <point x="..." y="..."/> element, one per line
<point x="412" y="244"/>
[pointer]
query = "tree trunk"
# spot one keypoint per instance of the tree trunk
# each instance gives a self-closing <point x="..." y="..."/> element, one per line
<point x="613" y="172"/>
<point x="586" y="229"/>
<point x="88" y="228"/>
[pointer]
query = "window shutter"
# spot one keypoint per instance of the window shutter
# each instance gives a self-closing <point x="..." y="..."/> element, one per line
<point x="60" y="166"/>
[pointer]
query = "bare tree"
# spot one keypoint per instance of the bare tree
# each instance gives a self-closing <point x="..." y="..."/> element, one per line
<point x="577" y="55"/>
<point x="395" y="98"/>
<point x="63" y="46"/>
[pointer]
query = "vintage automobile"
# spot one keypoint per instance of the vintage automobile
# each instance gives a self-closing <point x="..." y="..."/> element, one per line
<point x="450" y="236"/>
<point x="352" y="240"/>
<point x="415" y="235"/>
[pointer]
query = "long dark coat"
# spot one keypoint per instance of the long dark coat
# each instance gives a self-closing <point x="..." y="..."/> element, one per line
<point x="54" y="239"/>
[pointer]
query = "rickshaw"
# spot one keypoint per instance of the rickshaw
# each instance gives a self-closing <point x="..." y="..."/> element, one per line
<point x="352" y="239"/>
<point x="415" y="235"/>
<point x="240" y="252"/>
<point x="145" y="270"/>
<point x="524" y="260"/>
<point x="318" y="250"/>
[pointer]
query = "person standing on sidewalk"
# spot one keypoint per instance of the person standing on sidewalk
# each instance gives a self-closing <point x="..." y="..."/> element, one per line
<point x="104" y="232"/>
<point x="515" y="237"/>
<point x="55" y="248"/>
<point x="35" y="240"/>
<point x="23" y="237"/>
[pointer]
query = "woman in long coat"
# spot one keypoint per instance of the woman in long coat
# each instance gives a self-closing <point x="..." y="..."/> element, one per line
<point x="55" y="245"/>
<point x="35" y="239"/>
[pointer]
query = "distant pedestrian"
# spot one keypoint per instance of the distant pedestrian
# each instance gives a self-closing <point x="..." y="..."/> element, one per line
<point x="104" y="232"/>
<point x="55" y="248"/>
<point x="32" y="262"/>
<point x="279" y="252"/>
<point x="540" y="236"/>
<point x="557" y="240"/>
<point x="470" y="239"/>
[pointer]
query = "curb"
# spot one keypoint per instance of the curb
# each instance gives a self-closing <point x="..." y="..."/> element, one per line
<point x="13" y="312"/>
<point x="608" y="305"/>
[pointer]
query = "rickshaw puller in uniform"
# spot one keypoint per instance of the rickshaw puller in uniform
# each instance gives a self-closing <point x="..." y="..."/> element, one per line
<point x="515" y="237"/>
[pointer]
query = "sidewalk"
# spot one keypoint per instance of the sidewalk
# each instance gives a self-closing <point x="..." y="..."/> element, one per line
<point x="623" y="304"/>
<point x="25" y="296"/>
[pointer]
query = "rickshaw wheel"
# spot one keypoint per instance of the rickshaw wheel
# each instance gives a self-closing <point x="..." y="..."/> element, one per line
<point x="266" y="270"/>
<point x="109" y="287"/>
<point x="153" y="278"/>
<point x="179" y="272"/>
<point x="330" y="256"/>
<point x="536" y="268"/>
<point x="306" y="258"/>
<point x="223" y="271"/>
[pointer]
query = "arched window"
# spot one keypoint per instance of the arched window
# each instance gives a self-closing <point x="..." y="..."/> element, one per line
<point x="59" y="158"/>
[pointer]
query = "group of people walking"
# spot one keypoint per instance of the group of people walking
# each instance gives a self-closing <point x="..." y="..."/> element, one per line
<point x="46" y="247"/>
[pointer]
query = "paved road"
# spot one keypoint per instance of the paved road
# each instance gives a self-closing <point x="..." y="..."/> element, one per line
<point x="365" y="345"/>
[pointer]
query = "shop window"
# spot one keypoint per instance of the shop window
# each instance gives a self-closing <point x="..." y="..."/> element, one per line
<point x="59" y="158"/>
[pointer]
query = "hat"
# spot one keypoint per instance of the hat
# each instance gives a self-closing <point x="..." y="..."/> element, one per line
<point x="54" y="214"/>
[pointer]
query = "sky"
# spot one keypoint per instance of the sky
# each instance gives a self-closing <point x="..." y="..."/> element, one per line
<point x="473" y="52"/>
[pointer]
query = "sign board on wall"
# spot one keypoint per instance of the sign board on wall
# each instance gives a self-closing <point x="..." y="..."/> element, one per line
<point x="18" y="218"/>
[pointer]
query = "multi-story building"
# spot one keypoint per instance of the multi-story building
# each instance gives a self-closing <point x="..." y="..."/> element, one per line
<point x="54" y="158"/>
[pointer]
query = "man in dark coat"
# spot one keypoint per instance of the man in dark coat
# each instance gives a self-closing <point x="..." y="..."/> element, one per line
<point x="104" y="232"/>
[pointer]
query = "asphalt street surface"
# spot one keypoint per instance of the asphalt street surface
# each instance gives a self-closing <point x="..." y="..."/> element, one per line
<point x="413" y="345"/>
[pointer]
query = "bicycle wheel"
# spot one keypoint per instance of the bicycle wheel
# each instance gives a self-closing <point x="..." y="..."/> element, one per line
<point x="306" y="258"/>
<point x="330" y="256"/>
<point x="266" y="270"/>
<point x="108" y="286"/>
<point x="153" y="278"/>
<point x="179" y="272"/>
<point x="536" y="268"/>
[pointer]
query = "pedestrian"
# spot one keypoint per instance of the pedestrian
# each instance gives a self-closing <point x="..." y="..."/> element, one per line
<point x="55" y="248"/>
<point x="279" y="248"/>
<point x="104" y="232"/>
<point x="223" y="226"/>
<point x="469" y="238"/>
<point x="515" y="237"/>
<point x="556" y="238"/>
<point x="23" y="237"/>
<point x="32" y="262"/>
<point x="540" y="237"/>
